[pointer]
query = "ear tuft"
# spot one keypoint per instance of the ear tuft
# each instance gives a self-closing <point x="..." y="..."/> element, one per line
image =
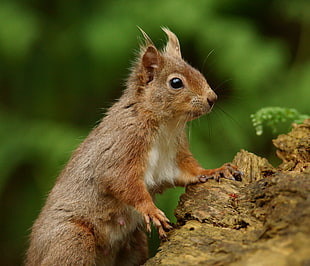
<point x="147" y="39"/>
<point x="173" y="45"/>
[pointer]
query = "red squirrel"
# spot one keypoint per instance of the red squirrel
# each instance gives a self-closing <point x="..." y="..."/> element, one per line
<point x="102" y="201"/>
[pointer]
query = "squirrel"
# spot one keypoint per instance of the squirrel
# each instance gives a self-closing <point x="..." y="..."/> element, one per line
<point x="102" y="202"/>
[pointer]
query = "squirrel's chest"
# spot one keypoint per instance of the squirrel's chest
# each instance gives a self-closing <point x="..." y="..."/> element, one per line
<point x="162" y="167"/>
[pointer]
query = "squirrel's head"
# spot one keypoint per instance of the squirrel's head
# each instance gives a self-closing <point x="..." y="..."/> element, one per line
<point x="166" y="85"/>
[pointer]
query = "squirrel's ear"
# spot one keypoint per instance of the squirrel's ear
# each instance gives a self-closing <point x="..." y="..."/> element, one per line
<point x="150" y="61"/>
<point x="173" y="45"/>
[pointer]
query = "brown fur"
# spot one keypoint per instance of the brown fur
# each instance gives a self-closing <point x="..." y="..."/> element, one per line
<point x="97" y="211"/>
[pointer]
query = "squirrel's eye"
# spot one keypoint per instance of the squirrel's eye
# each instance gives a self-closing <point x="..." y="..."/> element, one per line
<point x="176" y="83"/>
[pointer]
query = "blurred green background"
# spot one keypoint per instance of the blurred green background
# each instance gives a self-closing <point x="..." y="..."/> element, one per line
<point x="62" y="63"/>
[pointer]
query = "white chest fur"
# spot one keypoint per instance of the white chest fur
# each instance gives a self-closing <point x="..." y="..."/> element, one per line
<point x="162" y="167"/>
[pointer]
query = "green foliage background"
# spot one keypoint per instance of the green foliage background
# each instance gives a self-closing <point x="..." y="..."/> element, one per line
<point x="62" y="62"/>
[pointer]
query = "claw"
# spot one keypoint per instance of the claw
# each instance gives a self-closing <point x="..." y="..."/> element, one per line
<point x="162" y="234"/>
<point x="148" y="224"/>
<point x="238" y="175"/>
<point x="204" y="178"/>
<point x="160" y="221"/>
<point x="227" y="171"/>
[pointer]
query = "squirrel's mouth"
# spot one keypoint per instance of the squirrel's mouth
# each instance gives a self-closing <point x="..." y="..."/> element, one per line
<point x="202" y="110"/>
<point x="195" y="114"/>
<point x="199" y="108"/>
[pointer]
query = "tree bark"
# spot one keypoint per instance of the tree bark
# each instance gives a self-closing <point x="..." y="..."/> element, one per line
<point x="263" y="220"/>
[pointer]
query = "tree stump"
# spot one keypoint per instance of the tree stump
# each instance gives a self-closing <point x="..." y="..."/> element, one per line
<point x="263" y="220"/>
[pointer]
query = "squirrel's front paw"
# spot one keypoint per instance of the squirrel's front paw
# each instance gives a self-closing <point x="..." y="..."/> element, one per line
<point x="159" y="219"/>
<point x="228" y="171"/>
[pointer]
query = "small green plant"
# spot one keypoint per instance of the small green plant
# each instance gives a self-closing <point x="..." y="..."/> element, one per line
<point x="272" y="116"/>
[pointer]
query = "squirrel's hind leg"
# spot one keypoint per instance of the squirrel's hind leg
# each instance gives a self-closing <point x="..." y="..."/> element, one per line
<point x="74" y="244"/>
<point x="135" y="251"/>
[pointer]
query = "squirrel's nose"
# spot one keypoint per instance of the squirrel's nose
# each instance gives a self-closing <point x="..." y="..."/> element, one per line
<point x="212" y="97"/>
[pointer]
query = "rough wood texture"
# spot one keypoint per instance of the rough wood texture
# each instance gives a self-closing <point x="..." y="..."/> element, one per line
<point x="263" y="220"/>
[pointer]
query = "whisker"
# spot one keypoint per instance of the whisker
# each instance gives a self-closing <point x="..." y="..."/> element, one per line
<point x="210" y="69"/>
<point x="190" y="131"/>
<point x="226" y="113"/>
<point x="189" y="127"/>
<point x="209" y="127"/>
<point x="229" y="96"/>
<point x="184" y="122"/>
<point x="221" y="84"/>
<point x="205" y="60"/>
